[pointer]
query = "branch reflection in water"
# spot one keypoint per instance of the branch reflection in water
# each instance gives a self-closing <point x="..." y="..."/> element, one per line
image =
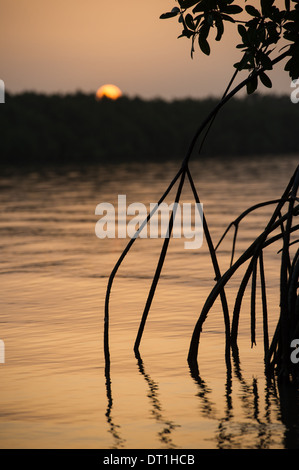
<point x="157" y="412"/>
<point x="113" y="429"/>
<point x="281" y="405"/>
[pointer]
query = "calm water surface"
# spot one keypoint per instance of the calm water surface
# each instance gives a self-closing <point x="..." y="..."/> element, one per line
<point x="54" y="273"/>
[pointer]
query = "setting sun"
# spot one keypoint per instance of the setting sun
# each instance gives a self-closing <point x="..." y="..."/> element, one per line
<point x="109" y="91"/>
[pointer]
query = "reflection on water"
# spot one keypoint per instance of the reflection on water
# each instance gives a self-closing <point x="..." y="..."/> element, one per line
<point x="113" y="428"/>
<point x="57" y="391"/>
<point x="157" y="413"/>
<point x="258" y="423"/>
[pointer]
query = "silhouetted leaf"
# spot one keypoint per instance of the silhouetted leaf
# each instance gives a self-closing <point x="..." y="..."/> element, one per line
<point x="265" y="80"/>
<point x="252" y="11"/>
<point x="186" y="33"/>
<point x="220" y="29"/>
<point x="189" y="21"/>
<point x="204" y="45"/>
<point x="237" y="66"/>
<point x="252" y="85"/>
<point x="243" y="64"/>
<point x="232" y="9"/>
<point x="174" y="12"/>
<point x="204" y="30"/>
<point x="242" y="31"/>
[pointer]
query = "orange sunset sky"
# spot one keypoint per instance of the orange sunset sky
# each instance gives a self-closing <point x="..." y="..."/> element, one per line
<point x="69" y="45"/>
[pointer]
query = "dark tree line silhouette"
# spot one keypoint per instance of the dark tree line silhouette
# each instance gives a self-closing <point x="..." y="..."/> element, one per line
<point x="75" y="128"/>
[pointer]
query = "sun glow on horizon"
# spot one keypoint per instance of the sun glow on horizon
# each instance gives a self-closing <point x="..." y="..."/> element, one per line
<point x="108" y="91"/>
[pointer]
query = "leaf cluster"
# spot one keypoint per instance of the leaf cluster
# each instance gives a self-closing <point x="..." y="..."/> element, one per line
<point x="260" y="30"/>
